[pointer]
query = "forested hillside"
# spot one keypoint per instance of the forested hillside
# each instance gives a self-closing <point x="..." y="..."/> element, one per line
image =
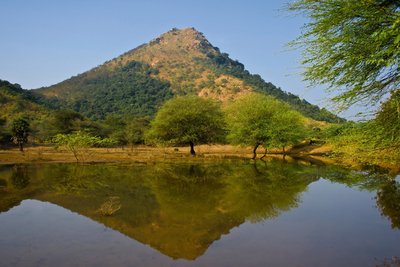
<point x="15" y="101"/>
<point x="129" y="90"/>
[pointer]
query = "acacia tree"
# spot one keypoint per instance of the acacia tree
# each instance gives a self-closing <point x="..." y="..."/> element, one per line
<point x="20" y="132"/>
<point x="79" y="143"/>
<point x="353" y="45"/>
<point x="187" y="120"/>
<point x="249" y="120"/>
<point x="287" y="128"/>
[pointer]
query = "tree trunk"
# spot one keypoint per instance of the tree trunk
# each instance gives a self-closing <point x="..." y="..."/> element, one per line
<point x="283" y="150"/>
<point x="255" y="151"/>
<point x="192" y="152"/>
<point x="265" y="153"/>
<point x="21" y="146"/>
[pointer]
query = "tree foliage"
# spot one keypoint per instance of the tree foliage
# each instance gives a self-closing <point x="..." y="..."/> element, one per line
<point x="388" y="117"/>
<point x="126" y="129"/>
<point x="135" y="130"/>
<point x="249" y="119"/>
<point x="66" y="121"/>
<point x="114" y="127"/>
<point x="4" y="135"/>
<point x="367" y="142"/>
<point x="20" y="132"/>
<point x="257" y="119"/>
<point x="79" y="142"/>
<point x="187" y="120"/>
<point x="352" y="45"/>
<point x="287" y="128"/>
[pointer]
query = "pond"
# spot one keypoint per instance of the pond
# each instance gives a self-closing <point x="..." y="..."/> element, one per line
<point x="225" y="213"/>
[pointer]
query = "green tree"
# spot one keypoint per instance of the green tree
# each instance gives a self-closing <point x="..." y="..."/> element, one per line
<point x="66" y="121"/>
<point x="287" y="129"/>
<point x="249" y="120"/>
<point x="20" y="132"/>
<point x="353" y="45"/>
<point x="187" y="120"/>
<point x="115" y="126"/>
<point x="79" y="142"/>
<point x="388" y="117"/>
<point x="135" y="130"/>
<point x="3" y="134"/>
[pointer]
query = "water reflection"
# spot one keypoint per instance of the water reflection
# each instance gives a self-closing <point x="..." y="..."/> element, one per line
<point x="15" y="185"/>
<point x="387" y="189"/>
<point x="20" y="177"/>
<point x="181" y="209"/>
<point x="388" y="201"/>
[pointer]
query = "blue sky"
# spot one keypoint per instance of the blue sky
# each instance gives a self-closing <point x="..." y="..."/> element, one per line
<point x="44" y="42"/>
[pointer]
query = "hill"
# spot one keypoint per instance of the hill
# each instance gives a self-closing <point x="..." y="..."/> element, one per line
<point x="44" y="122"/>
<point x="16" y="102"/>
<point x="178" y="62"/>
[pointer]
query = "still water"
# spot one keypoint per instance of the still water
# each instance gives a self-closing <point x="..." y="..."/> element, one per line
<point x="230" y="213"/>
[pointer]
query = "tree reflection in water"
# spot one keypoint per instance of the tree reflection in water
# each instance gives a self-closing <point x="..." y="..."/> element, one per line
<point x="388" y="201"/>
<point x="180" y="209"/>
<point x="20" y="177"/>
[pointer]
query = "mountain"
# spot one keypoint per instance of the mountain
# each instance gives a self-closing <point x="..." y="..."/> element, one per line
<point x="178" y="62"/>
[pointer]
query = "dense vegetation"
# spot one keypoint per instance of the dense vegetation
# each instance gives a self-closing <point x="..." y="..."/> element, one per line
<point x="131" y="89"/>
<point x="18" y="104"/>
<point x="355" y="45"/>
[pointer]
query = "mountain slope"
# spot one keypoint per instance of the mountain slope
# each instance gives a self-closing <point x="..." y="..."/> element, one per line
<point x="16" y="102"/>
<point x="176" y="63"/>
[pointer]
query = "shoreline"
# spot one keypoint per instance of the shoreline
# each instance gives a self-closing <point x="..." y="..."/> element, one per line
<point x="314" y="154"/>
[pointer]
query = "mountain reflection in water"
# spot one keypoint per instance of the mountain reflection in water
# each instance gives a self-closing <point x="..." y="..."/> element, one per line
<point x="181" y="209"/>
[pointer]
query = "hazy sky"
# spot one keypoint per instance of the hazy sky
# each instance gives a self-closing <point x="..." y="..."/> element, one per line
<point x="44" y="42"/>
